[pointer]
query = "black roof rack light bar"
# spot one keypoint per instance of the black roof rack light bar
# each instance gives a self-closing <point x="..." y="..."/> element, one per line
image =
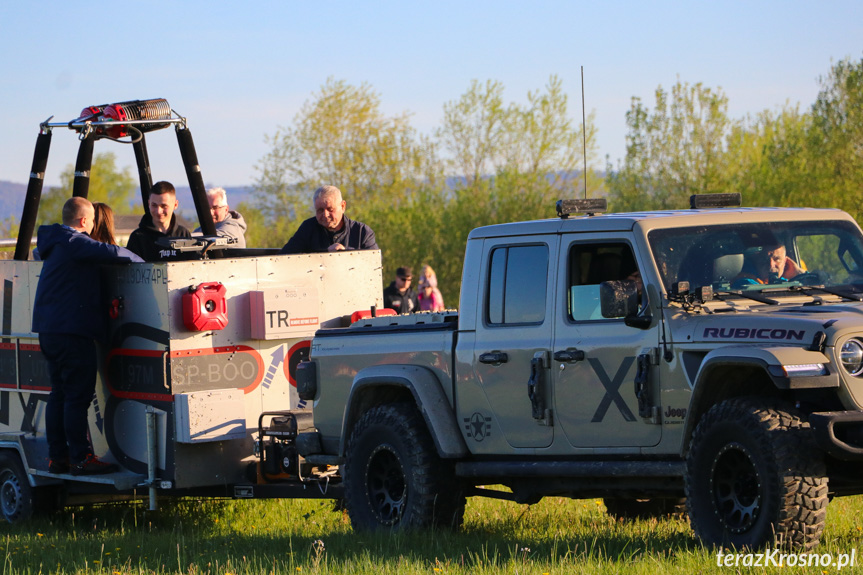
<point x="706" y="201"/>
<point x="566" y="208"/>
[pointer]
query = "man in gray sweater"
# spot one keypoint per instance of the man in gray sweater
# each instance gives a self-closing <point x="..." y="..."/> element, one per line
<point x="229" y="223"/>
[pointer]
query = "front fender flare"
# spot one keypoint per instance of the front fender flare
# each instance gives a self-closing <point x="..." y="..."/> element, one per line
<point x="428" y="395"/>
<point x="767" y="359"/>
<point x="770" y="359"/>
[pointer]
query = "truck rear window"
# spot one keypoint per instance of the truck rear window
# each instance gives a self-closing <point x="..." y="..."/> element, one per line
<point x="517" y="285"/>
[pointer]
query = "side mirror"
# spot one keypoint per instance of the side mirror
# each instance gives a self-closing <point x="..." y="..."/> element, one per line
<point x="620" y="298"/>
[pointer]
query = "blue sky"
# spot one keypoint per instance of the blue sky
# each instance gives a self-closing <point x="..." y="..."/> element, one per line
<point x="237" y="73"/>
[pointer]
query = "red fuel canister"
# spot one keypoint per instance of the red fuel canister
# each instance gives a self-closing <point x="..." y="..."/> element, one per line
<point x="204" y="307"/>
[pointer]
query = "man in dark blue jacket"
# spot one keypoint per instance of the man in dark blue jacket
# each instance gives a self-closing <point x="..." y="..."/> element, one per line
<point x="69" y="316"/>
<point x="330" y="230"/>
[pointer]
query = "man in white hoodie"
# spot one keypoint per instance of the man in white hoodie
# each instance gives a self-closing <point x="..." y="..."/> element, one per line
<point x="229" y="224"/>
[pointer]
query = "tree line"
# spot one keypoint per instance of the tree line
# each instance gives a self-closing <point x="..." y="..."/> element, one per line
<point x="489" y="161"/>
<point x="790" y="157"/>
<point x="492" y="161"/>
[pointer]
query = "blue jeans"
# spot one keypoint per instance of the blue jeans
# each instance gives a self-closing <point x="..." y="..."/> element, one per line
<point x="72" y="367"/>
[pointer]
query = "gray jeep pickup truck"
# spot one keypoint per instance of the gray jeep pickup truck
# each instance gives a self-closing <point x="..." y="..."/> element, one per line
<point x="713" y="354"/>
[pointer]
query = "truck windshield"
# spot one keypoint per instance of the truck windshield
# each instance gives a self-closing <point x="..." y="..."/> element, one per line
<point x="761" y="255"/>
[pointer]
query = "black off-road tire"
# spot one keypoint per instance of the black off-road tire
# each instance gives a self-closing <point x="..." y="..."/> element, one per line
<point x="658" y="507"/>
<point x="754" y="477"/>
<point x="393" y="476"/>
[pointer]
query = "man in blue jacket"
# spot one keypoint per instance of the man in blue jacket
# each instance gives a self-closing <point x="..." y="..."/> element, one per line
<point x="69" y="315"/>
<point x="330" y="230"/>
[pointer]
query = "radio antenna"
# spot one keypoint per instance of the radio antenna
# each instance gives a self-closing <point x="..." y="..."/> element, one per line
<point x="584" y="133"/>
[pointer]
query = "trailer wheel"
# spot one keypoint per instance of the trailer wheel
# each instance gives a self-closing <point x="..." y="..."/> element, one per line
<point x="16" y="495"/>
<point x="393" y="476"/>
<point x="754" y="477"/>
<point x="657" y="507"/>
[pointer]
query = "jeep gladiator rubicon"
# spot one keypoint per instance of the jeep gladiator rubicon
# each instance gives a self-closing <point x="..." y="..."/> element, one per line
<point x="635" y="357"/>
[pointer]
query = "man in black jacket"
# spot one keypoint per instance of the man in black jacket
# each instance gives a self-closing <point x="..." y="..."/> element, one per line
<point x="69" y="315"/>
<point x="330" y="230"/>
<point x="399" y="295"/>
<point x="161" y="222"/>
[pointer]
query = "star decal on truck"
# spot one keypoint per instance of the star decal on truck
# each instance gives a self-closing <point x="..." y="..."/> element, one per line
<point x="477" y="426"/>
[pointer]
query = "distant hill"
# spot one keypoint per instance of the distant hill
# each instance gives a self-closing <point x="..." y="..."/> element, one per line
<point x="12" y="199"/>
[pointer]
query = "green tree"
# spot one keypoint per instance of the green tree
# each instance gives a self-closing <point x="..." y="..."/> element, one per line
<point x="8" y="230"/>
<point x="837" y="136"/>
<point x="472" y="131"/>
<point x="9" y="227"/>
<point x="541" y="142"/>
<point x="107" y="184"/>
<point x="674" y="151"/>
<point x="769" y="161"/>
<point x="508" y="162"/>
<point x="484" y="137"/>
<point x="504" y="162"/>
<point x="342" y="137"/>
<point x="790" y="158"/>
<point x="258" y="233"/>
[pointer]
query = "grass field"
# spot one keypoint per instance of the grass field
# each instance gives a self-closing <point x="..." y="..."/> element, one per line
<point x="556" y="536"/>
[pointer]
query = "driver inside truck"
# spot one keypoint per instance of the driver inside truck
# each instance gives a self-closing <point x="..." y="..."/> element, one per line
<point x="768" y="264"/>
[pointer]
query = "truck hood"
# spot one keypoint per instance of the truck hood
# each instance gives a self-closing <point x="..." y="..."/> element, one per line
<point x="779" y="325"/>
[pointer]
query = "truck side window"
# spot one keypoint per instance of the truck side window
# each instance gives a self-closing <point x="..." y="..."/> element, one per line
<point x="517" y="285"/>
<point x="589" y="266"/>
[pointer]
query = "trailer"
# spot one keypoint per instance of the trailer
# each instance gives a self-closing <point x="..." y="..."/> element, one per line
<point x="196" y="392"/>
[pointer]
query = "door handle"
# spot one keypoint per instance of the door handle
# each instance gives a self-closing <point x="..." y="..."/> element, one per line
<point x="569" y="355"/>
<point x="494" y="357"/>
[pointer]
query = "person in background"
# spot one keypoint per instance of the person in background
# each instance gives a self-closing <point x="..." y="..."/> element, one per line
<point x="430" y="298"/>
<point x="68" y="314"/>
<point x="330" y="230"/>
<point x="399" y="295"/>
<point x="229" y="223"/>
<point x="103" y="224"/>
<point x="161" y="222"/>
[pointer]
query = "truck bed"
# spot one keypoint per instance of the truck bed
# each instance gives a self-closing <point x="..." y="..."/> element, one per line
<point x="423" y="339"/>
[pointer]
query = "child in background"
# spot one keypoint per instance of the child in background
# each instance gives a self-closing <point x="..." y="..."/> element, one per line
<point x="429" y="296"/>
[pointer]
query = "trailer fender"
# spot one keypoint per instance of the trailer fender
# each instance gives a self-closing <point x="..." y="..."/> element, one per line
<point x="376" y="384"/>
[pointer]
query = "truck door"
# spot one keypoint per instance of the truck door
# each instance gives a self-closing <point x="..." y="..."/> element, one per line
<point x="513" y="326"/>
<point x="594" y="358"/>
